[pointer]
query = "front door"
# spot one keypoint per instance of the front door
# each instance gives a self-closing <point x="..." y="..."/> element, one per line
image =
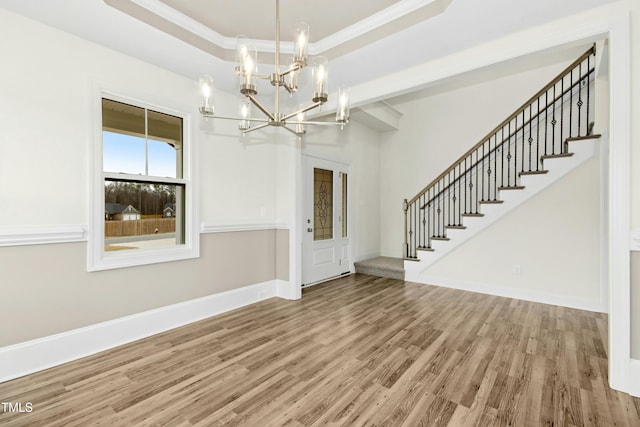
<point x="326" y="243"/>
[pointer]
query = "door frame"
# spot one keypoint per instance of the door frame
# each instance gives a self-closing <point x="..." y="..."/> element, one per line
<point x="301" y="218"/>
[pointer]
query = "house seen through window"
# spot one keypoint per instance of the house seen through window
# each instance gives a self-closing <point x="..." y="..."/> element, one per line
<point x="144" y="189"/>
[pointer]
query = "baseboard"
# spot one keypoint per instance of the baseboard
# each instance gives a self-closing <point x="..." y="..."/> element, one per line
<point x="28" y="357"/>
<point x="522" y="294"/>
<point x="633" y="382"/>
<point x="284" y="289"/>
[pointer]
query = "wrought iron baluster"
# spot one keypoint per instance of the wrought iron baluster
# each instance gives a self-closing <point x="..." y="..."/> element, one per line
<point x="476" y="167"/>
<point x="465" y="185"/>
<point x="495" y="167"/>
<point x="411" y="239"/>
<point x="538" y="137"/>
<point x="530" y="135"/>
<point x="588" y="91"/>
<point x="523" y="132"/>
<point x="424" y="220"/>
<point x="502" y="150"/>
<point x="429" y="219"/>
<point x="553" y="123"/>
<point x="571" y="105"/>
<point x="515" y="146"/>
<point x="561" y="115"/>
<point x="459" y="202"/>
<point x="546" y="121"/>
<point x="449" y="199"/>
<point x="509" y="156"/>
<point x="483" y="171"/>
<point x="580" y="98"/>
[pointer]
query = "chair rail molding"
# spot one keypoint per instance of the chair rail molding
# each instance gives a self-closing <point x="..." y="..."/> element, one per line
<point x="40" y="235"/>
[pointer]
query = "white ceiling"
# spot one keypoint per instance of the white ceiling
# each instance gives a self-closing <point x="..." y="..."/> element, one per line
<point x="256" y="18"/>
<point x="337" y="27"/>
<point x="364" y="40"/>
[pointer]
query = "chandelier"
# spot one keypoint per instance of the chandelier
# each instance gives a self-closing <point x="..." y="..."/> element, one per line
<point x="246" y="70"/>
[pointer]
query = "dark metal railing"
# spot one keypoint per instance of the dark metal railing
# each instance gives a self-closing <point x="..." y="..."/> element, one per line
<point x="539" y="129"/>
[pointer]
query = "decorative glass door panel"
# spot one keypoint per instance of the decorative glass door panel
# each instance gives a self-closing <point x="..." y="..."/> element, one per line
<point x="322" y="204"/>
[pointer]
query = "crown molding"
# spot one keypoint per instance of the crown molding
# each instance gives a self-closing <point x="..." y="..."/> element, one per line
<point x="373" y="22"/>
<point x="360" y="28"/>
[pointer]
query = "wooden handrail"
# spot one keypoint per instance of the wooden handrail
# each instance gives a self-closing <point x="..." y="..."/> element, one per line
<point x="553" y="82"/>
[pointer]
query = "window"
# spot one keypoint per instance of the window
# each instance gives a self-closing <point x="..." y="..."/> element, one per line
<point x="144" y="194"/>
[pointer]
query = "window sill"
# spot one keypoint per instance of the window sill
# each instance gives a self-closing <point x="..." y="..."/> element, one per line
<point x="134" y="258"/>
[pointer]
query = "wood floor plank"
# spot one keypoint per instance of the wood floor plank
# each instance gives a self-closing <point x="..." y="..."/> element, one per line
<point x="358" y="350"/>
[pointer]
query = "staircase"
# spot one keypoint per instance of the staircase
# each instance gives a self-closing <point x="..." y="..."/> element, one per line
<point x="550" y="135"/>
<point x="391" y="268"/>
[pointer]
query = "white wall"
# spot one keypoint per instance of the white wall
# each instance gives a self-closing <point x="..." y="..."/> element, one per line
<point x="556" y="244"/>
<point x="47" y="105"/>
<point x="238" y="173"/>
<point x="436" y="130"/>
<point x="548" y="246"/>
<point x="635" y="172"/>
<point x="357" y="146"/>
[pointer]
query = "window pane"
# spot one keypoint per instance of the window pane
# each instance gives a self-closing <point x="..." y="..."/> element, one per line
<point x="141" y="215"/>
<point x="162" y="159"/>
<point x="322" y="204"/>
<point x="123" y="153"/>
<point x="123" y="137"/>
<point x="165" y="145"/>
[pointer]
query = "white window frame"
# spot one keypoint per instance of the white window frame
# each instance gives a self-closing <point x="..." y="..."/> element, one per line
<point x="97" y="258"/>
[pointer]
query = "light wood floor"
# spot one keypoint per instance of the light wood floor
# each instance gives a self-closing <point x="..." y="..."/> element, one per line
<point x="356" y="351"/>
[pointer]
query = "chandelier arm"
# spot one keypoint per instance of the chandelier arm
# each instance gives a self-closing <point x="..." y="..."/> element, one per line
<point x="296" y="67"/>
<point x="288" y="88"/>
<point x="237" y="119"/>
<point x="298" y="134"/>
<point x="303" y="110"/>
<point x="255" y="128"/>
<point x="317" y="123"/>
<point x="261" y="107"/>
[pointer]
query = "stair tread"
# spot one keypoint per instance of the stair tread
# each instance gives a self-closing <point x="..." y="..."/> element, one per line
<point x="425" y="249"/>
<point x="473" y="214"/>
<point x="455" y="227"/>
<point x="512" y="187"/>
<point x="539" y="172"/>
<point x="556" y="156"/>
<point x="582" y="138"/>
<point x="439" y="238"/>
<point x="491" y="202"/>
<point x="386" y="263"/>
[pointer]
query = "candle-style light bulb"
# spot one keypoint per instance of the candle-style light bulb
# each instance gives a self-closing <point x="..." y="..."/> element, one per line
<point x="247" y="68"/>
<point x="320" y="75"/>
<point x="301" y="40"/>
<point x="206" y="89"/>
<point x="342" y="112"/>
<point x="300" y="117"/>
<point x="245" y="114"/>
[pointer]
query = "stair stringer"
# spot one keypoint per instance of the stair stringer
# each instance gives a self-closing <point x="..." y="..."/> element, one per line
<point x="582" y="150"/>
